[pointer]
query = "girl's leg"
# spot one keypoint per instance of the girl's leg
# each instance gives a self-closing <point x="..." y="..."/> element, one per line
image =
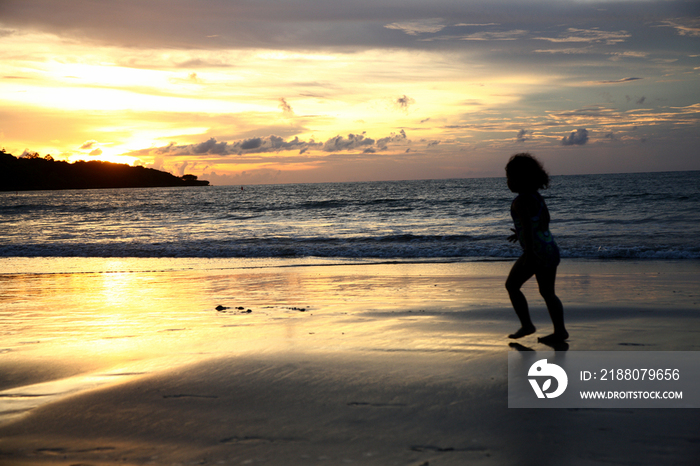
<point x="519" y="274"/>
<point x="545" y="279"/>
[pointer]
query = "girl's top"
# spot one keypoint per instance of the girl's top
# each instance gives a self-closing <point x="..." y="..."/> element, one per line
<point x="545" y="249"/>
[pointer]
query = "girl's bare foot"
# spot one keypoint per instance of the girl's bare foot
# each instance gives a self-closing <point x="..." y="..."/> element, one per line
<point x="522" y="332"/>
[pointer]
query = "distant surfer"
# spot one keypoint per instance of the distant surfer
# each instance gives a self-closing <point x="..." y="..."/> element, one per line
<point x="540" y="256"/>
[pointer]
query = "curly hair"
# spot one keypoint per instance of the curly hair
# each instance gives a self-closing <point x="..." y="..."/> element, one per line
<point x="525" y="173"/>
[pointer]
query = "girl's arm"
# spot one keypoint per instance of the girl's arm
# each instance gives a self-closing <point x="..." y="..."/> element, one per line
<point x="521" y="210"/>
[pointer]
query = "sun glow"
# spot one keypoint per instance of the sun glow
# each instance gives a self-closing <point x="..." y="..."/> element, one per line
<point x="127" y="159"/>
<point x="105" y="99"/>
<point x="109" y="84"/>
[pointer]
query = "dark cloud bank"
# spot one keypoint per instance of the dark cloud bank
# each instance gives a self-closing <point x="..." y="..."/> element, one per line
<point x="576" y="138"/>
<point x="272" y="143"/>
<point x="222" y="24"/>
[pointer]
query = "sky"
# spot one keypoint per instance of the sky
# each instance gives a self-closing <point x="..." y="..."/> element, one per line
<point x="296" y="91"/>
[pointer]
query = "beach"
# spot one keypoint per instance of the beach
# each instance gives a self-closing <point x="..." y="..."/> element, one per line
<point x="125" y="361"/>
<point x="279" y="233"/>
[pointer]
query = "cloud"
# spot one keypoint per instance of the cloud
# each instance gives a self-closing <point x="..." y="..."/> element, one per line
<point x="273" y="144"/>
<point x="202" y="63"/>
<point x="97" y="151"/>
<point x="182" y="167"/>
<point x="286" y="108"/>
<point x="628" y="54"/>
<point x="304" y="24"/>
<point x="251" y="144"/>
<point x="476" y="24"/>
<point x="346" y="67"/>
<point x="576" y="138"/>
<point x="88" y="144"/>
<point x="270" y="143"/>
<point x="353" y="141"/>
<point x="212" y="147"/>
<point x="590" y="36"/>
<point x="523" y="135"/>
<point x="567" y="51"/>
<point x="594" y="114"/>
<point x="684" y="26"/>
<point x="618" y="81"/>
<point x="515" y="34"/>
<point x="383" y="142"/>
<point x="404" y="102"/>
<point x="413" y="28"/>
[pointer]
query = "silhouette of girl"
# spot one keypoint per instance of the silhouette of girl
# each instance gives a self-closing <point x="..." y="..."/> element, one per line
<point x="540" y="253"/>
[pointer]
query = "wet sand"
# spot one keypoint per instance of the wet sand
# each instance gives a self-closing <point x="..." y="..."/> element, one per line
<point x="356" y="364"/>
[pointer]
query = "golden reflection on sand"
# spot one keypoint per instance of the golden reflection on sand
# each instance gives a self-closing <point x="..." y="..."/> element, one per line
<point x="148" y="315"/>
<point x="127" y="362"/>
<point x="113" y="312"/>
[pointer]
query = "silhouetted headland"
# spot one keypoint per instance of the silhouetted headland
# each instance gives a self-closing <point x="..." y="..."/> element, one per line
<point x="35" y="173"/>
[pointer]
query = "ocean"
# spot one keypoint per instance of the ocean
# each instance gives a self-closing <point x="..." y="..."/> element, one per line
<point x="614" y="216"/>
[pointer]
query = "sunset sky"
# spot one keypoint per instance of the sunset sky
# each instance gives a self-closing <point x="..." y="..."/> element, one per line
<point x="279" y="91"/>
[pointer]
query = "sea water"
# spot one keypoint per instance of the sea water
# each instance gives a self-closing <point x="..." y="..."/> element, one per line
<point x="629" y="216"/>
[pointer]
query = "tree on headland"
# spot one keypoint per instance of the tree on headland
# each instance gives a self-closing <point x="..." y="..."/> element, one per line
<point x="33" y="172"/>
<point x="28" y="155"/>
